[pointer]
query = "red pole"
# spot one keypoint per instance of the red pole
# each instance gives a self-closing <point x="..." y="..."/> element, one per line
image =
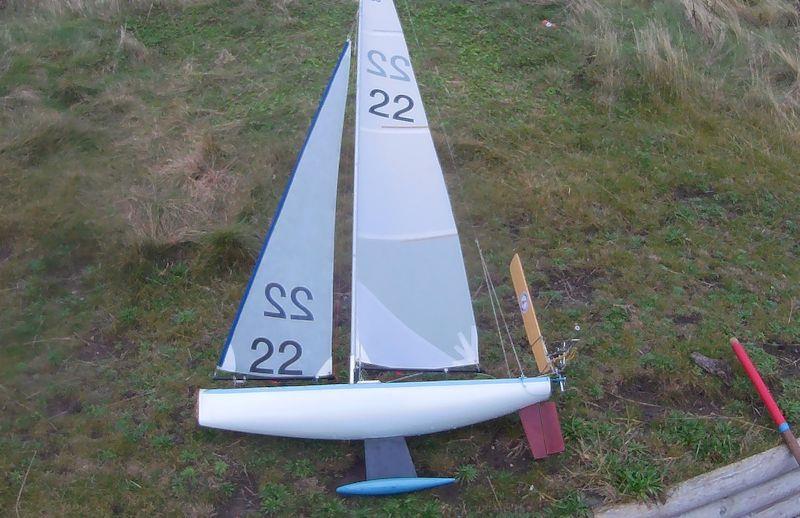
<point x="766" y="397"/>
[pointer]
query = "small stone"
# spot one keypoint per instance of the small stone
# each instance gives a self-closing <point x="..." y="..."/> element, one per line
<point x="719" y="368"/>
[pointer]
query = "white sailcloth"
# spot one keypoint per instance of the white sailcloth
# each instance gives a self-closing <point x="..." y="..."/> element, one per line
<point x="411" y="302"/>
<point x="284" y="324"/>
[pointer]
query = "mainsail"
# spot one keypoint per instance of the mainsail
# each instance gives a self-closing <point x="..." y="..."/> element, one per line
<point x="284" y="325"/>
<point x="411" y="302"/>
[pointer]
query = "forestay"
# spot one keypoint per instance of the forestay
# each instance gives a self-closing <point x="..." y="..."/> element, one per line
<point x="284" y="324"/>
<point x="411" y="301"/>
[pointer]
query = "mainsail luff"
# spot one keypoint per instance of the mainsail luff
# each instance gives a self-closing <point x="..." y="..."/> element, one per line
<point x="283" y="329"/>
<point x="410" y="299"/>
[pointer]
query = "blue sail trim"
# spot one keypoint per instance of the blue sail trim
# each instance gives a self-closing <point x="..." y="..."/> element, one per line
<point x="342" y="54"/>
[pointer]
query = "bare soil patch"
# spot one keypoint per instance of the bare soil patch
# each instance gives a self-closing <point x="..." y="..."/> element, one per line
<point x="687" y="192"/>
<point x="656" y="397"/>
<point x="355" y="473"/>
<point x="96" y="346"/>
<point x="577" y="284"/>
<point x="244" y="501"/>
<point x="63" y="404"/>
<point x="691" y="318"/>
<point x="788" y="356"/>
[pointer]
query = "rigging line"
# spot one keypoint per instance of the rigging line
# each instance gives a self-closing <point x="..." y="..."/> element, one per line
<point x="435" y="102"/>
<point x="493" y="292"/>
<point x="353" y="26"/>
<point x="464" y="200"/>
<point x="407" y="376"/>
<point x="494" y="312"/>
<point x="508" y="332"/>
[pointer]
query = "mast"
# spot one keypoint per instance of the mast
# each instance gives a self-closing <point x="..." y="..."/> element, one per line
<point x="353" y="328"/>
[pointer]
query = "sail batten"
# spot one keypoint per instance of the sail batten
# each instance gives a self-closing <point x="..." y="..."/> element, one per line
<point x="284" y="325"/>
<point x="411" y="302"/>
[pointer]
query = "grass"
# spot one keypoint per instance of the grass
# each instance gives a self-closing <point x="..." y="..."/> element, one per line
<point x="640" y="158"/>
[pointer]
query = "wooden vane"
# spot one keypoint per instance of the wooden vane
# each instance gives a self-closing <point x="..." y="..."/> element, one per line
<point x="525" y="303"/>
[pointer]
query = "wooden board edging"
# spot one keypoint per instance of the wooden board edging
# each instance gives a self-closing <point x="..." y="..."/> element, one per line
<point x="772" y="475"/>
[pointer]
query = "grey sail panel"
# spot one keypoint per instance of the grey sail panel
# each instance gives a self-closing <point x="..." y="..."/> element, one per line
<point x="411" y="301"/>
<point x="414" y="317"/>
<point x="284" y="324"/>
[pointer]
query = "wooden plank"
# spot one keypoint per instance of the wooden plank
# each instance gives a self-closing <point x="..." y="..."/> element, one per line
<point x="754" y="499"/>
<point x="788" y="508"/>
<point x="525" y="303"/>
<point x="765" y="469"/>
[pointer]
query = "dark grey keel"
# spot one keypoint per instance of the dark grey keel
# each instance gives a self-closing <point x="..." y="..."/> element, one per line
<point x="388" y="458"/>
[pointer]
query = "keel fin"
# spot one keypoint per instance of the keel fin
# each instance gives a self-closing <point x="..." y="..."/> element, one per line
<point x="390" y="471"/>
<point x="388" y="458"/>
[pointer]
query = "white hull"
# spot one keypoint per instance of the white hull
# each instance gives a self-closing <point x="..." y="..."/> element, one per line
<point x="366" y="410"/>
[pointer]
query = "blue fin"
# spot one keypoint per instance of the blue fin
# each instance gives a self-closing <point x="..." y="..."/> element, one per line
<point x="391" y="486"/>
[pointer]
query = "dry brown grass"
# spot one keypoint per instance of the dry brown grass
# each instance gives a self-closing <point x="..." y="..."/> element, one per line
<point x="713" y="19"/>
<point x="185" y="197"/>
<point x="772" y="63"/>
<point x="775" y="72"/>
<point x="608" y="58"/>
<point x="749" y="43"/>
<point x="43" y="131"/>
<point x="662" y="60"/>
<point x="603" y="39"/>
<point x="282" y="6"/>
<point x="588" y="9"/>
<point x="768" y="13"/>
<point x="224" y="57"/>
<point x="665" y="64"/>
<point x="97" y="8"/>
<point x="130" y="46"/>
<point x="542" y="2"/>
<point x="21" y="96"/>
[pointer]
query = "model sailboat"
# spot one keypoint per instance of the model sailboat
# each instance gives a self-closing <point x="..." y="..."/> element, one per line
<point x="411" y="305"/>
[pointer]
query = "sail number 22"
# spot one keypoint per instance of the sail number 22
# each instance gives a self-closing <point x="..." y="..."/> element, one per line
<point x="298" y="351"/>
<point x="402" y="103"/>
<point x="304" y="313"/>
<point x="274" y="292"/>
